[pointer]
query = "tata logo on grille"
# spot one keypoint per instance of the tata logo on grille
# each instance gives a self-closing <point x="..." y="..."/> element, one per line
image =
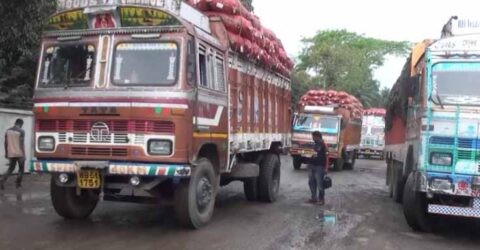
<point x="100" y="132"/>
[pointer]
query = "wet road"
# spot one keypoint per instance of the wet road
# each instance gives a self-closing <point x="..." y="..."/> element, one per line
<point x="358" y="215"/>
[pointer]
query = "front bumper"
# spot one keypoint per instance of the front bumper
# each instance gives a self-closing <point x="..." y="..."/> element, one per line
<point x="370" y="152"/>
<point x="113" y="168"/>
<point x="472" y="212"/>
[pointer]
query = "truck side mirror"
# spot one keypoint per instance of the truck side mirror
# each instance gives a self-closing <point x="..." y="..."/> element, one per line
<point x="410" y="102"/>
<point x="343" y="124"/>
<point x="191" y="63"/>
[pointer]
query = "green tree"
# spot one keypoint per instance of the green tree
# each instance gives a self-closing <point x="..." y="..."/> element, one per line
<point x="22" y="22"/>
<point x="342" y="60"/>
<point x="384" y="93"/>
<point x="247" y="4"/>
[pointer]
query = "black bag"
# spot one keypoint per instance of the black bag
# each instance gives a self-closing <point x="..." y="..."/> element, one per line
<point x="327" y="182"/>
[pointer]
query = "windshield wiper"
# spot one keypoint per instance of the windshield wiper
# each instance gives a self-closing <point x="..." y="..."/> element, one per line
<point x="439" y="100"/>
<point x="71" y="79"/>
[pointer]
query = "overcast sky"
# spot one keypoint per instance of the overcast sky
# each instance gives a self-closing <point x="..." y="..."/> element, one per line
<point x="400" y="20"/>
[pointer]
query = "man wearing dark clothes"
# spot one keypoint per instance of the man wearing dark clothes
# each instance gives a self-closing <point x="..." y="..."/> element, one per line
<point x="317" y="169"/>
<point x="14" y="152"/>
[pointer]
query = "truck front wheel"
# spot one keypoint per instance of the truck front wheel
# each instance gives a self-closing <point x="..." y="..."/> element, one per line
<point x="195" y="198"/>
<point x="415" y="207"/>
<point x="297" y="162"/>
<point x="269" y="179"/>
<point x="397" y="182"/>
<point x="250" y="188"/>
<point x="69" y="205"/>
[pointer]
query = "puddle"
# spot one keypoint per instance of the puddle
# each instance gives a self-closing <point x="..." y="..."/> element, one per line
<point x="327" y="217"/>
<point x="21" y="197"/>
<point x="34" y="211"/>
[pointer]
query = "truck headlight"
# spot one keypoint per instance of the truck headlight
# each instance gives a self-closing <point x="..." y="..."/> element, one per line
<point x="46" y="143"/>
<point x="160" y="147"/>
<point x="441" y="184"/>
<point x="441" y="159"/>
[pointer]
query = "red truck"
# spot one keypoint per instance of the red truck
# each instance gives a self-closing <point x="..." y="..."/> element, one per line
<point x="338" y="116"/>
<point x="156" y="102"/>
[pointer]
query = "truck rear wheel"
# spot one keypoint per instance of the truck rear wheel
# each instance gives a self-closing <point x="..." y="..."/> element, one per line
<point x="350" y="166"/>
<point x="69" y="205"/>
<point x="415" y="207"/>
<point x="338" y="164"/>
<point x="297" y="162"/>
<point x="195" y="198"/>
<point x="269" y="179"/>
<point x="250" y="188"/>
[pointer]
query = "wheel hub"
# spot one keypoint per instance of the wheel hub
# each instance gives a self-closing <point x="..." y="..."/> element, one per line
<point x="204" y="193"/>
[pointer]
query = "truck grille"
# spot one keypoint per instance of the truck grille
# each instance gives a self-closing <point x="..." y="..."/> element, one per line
<point x="90" y="151"/>
<point x="115" y="126"/>
<point x="464" y="143"/>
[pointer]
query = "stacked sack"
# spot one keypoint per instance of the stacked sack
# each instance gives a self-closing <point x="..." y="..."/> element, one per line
<point x="246" y="34"/>
<point x="375" y="112"/>
<point x="333" y="98"/>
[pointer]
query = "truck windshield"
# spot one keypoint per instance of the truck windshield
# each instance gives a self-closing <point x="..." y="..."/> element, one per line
<point x="145" y="64"/>
<point x="456" y="83"/>
<point x="315" y="122"/>
<point x="67" y="65"/>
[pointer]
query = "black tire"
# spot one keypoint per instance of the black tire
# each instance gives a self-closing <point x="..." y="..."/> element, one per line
<point x="397" y="184"/>
<point x="195" y="198"/>
<point x="250" y="188"/>
<point x="338" y="164"/>
<point x="389" y="177"/>
<point x="269" y="179"/>
<point x="69" y="205"/>
<point x="415" y="207"/>
<point x="350" y="166"/>
<point x="297" y="162"/>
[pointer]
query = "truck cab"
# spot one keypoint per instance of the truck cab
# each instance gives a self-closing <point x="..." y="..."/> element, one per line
<point x="432" y="148"/>
<point x="340" y="131"/>
<point x="146" y="101"/>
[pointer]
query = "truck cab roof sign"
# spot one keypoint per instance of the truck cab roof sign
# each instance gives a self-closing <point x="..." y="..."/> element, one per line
<point x="324" y="109"/>
<point x="464" y="26"/>
<point x="461" y="44"/>
<point x="171" y="5"/>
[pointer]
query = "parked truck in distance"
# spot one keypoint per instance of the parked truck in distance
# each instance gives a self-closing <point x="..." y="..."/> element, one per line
<point x="373" y="134"/>
<point x="338" y="116"/>
<point x="432" y="128"/>
<point x="159" y="102"/>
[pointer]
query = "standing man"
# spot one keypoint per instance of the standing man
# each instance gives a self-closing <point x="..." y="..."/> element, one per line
<point x="14" y="152"/>
<point x="317" y="169"/>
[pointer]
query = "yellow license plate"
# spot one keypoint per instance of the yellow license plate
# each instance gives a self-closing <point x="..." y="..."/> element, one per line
<point x="89" y="179"/>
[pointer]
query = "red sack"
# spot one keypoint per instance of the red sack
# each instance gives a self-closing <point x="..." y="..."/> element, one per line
<point x="236" y="42"/>
<point x="331" y="93"/>
<point x="246" y="28"/>
<point x="201" y="5"/>
<point x="256" y="22"/>
<point x="232" y="24"/>
<point x="225" y="6"/>
<point x="256" y="51"/>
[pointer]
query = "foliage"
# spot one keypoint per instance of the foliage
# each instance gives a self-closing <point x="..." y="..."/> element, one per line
<point x="342" y="60"/>
<point x="22" y="22"/>
<point x="247" y="4"/>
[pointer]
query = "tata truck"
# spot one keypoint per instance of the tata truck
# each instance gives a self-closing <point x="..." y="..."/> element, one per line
<point x="339" y="124"/>
<point x="432" y="128"/>
<point x="149" y="102"/>
<point x="373" y="135"/>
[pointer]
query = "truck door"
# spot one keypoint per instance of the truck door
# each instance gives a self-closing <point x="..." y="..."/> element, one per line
<point x="211" y="109"/>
